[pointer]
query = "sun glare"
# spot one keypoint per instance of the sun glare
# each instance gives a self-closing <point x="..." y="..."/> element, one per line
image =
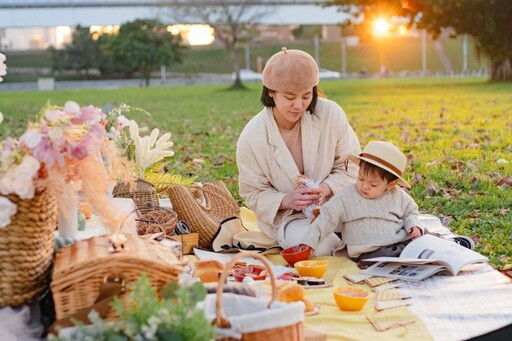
<point x="380" y="27"/>
<point x="194" y="34"/>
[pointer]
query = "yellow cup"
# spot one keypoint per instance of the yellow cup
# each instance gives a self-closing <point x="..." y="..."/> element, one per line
<point x="311" y="268"/>
<point x="350" y="298"/>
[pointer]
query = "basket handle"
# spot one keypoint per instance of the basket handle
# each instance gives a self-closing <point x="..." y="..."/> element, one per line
<point x="221" y="320"/>
<point x="217" y="191"/>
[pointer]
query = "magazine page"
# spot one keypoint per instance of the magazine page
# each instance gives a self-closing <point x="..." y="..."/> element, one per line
<point x="408" y="272"/>
<point x="431" y="249"/>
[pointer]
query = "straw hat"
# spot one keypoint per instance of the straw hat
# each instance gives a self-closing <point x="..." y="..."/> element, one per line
<point x="290" y="71"/>
<point x="384" y="155"/>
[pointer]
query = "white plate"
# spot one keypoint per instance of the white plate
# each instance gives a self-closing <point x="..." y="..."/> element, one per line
<point x="313" y="312"/>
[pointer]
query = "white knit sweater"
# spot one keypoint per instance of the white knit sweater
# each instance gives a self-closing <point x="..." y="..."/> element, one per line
<point x="381" y="221"/>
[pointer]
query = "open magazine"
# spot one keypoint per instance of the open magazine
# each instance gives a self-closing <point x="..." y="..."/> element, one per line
<point x="424" y="257"/>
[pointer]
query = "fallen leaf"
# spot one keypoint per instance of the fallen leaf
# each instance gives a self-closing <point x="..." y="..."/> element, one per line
<point x="417" y="178"/>
<point x="432" y="188"/>
<point x="504" y="182"/>
<point x="445" y="220"/>
<point x="504" y="211"/>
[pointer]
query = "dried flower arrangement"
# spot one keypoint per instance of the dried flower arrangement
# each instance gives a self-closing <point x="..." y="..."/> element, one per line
<point x="147" y="154"/>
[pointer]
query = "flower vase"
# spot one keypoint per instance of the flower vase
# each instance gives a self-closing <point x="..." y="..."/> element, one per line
<point x="68" y="216"/>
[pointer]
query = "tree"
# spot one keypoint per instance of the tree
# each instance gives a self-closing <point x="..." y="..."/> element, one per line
<point x="487" y="21"/>
<point x="82" y="54"/>
<point x="142" y="45"/>
<point x="232" y="22"/>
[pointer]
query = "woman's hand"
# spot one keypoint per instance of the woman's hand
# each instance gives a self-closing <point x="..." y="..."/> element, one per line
<point x="301" y="198"/>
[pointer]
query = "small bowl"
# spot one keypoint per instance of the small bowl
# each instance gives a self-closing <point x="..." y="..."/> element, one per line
<point x="311" y="268"/>
<point x="350" y="298"/>
<point x="296" y="253"/>
<point x="256" y="272"/>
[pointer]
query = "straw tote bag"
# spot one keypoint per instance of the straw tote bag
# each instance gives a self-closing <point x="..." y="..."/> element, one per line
<point x="203" y="207"/>
<point x="26" y="249"/>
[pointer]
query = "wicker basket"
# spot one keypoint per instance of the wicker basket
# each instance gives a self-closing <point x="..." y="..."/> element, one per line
<point x="157" y="220"/>
<point x="26" y="249"/>
<point x="284" y="330"/>
<point x="203" y="208"/>
<point x="81" y="269"/>
<point x="142" y="193"/>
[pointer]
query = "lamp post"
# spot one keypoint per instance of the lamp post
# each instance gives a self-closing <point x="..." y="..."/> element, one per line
<point x="316" y="43"/>
<point x="343" y="57"/>
<point x="424" y="52"/>
<point x="465" y="53"/>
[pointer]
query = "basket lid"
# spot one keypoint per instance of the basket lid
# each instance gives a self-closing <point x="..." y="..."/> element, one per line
<point x="88" y="255"/>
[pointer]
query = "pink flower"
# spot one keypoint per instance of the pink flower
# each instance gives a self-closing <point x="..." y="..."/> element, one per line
<point x="45" y="153"/>
<point x="79" y="151"/>
<point x="90" y="113"/>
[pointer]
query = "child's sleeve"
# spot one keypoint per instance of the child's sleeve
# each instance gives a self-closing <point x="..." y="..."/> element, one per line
<point x="327" y="221"/>
<point x="411" y="214"/>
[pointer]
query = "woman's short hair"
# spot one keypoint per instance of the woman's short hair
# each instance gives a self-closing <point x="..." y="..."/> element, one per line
<point x="268" y="100"/>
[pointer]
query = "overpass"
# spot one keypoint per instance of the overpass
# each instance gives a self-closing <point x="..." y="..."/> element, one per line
<point x="50" y="13"/>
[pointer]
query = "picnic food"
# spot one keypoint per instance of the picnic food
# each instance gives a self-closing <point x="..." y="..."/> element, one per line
<point x="291" y="291"/>
<point x="253" y="271"/>
<point x="312" y="211"/>
<point x="208" y="270"/>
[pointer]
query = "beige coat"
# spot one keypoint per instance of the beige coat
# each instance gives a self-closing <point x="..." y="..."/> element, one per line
<point x="267" y="170"/>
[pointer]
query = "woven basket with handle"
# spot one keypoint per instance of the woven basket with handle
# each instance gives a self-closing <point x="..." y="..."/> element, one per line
<point x="142" y="193"/>
<point x="82" y="268"/>
<point x="26" y="249"/>
<point x="293" y="331"/>
<point x="203" y="207"/>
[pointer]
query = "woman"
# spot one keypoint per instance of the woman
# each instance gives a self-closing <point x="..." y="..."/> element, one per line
<point x="296" y="133"/>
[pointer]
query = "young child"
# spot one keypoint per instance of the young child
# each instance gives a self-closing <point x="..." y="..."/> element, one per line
<point x="375" y="212"/>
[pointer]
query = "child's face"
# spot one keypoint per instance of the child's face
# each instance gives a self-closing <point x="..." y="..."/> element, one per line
<point x="371" y="185"/>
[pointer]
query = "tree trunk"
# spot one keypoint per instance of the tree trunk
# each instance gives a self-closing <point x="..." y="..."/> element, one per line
<point x="502" y="71"/>
<point x="237" y="83"/>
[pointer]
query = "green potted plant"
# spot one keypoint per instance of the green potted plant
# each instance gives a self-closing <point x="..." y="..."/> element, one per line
<point x="146" y="316"/>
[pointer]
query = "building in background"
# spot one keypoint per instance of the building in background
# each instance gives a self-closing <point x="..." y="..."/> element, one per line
<point x="38" y="24"/>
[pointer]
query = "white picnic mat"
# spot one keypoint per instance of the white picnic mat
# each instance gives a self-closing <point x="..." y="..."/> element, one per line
<point x="464" y="306"/>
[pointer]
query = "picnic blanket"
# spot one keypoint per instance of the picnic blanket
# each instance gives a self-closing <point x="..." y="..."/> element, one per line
<point x="442" y="307"/>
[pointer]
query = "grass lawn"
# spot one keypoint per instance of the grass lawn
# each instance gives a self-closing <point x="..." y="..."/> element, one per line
<point x="456" y="132"/>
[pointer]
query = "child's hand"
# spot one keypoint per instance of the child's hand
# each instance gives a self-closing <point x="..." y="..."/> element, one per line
<point x="414" y="232"/>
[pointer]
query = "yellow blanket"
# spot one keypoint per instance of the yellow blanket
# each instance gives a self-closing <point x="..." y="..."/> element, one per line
<point x="342" y="325"/>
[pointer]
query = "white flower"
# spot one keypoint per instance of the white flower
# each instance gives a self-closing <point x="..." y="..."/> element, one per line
<point x="123" y="121"/>
<point x="53" y="114"/>
<point x="501" y="162"/>
<point x="31" y="138"/>
<point x="19" y="180"/>
<point x="1" y="117"/>
<point x="7" y="210"/>
<point x="55" y="134"/>
<point x="72" y="108"/>
<point x="149" y="150"/>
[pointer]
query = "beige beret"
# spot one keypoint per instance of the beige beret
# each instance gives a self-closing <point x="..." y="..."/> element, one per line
<point x="290" y="71"/>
